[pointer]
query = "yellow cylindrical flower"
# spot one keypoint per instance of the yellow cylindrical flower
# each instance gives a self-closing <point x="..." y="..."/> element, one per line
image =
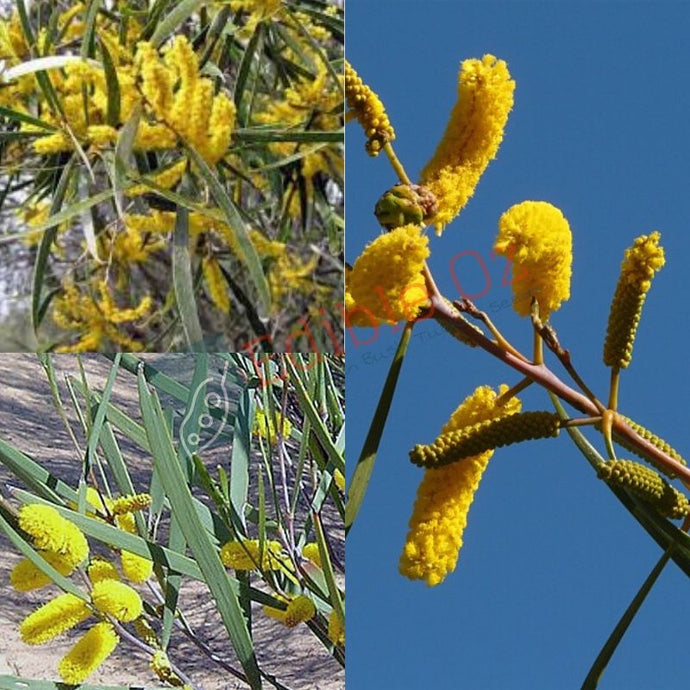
<point x="263" y="426"/>
<point x="51" y="532"/>
<point x="299" y="610"/>
<point x="100" y="569"/>
<point x="136" y="568"/>
<point x="445" y="495"/>
<point x="536" y="238"/>
<point x="640" y="264"/>
<point x="88" y="653"/>
<point x="131" y="504"/>
<point x="472" y="137"/>
<point x="25" y="576"/>
<point x="54" y="618"/>
<point x="117" y="600"/>
<point x="244" y="555"/>
<point x="336" y="629"/>
<point x="387" y="278"/>
<point x="369" y="111"/>
<point x="216" y="285"/>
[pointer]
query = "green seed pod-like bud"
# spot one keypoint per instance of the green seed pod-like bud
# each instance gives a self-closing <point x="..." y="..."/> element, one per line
<point x="483" y="436"/>
<point x="655" y="441"/>
<point x="641" y="262"/>
<point x="648" y="485"/>
<point x="405" y="204"/>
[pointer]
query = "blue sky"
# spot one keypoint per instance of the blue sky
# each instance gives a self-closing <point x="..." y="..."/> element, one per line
<point x="600" y="128"/>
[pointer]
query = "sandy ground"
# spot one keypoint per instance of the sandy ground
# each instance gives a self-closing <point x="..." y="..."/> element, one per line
<point x="28" y="421"/>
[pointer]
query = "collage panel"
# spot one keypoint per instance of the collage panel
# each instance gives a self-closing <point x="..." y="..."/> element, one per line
<point x="171" y="175"/>
<point x="518" y="507"/>
<point x="172" y="520"/>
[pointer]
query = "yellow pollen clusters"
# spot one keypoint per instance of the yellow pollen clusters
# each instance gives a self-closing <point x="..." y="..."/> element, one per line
<point x="25" y="576"/>
<point x="536" y="238"/>
<point x="472" y="137"/>
<point x="445" y="495"/>
<point x="130" y="504"/>
<point x="216" y="284"/>
<point x="90" y="651"/>
<point x="165" y="179"/>
<point x="117" y="600"/>
<point x="52" y="619"/>
<point x="250" y="555"/>
<point x="387" y="278"/>
<point x="51" y="532"/>
<point x="184" y="102"/>
<point x="100" y="569"/>
<point x="336" y="629"/>
<point x="640" y="264"/>
<point x="264" y="427"/>
<point x="369" y="111"/>
<point x="299" y="610"/>
<point x="134" y="567"/>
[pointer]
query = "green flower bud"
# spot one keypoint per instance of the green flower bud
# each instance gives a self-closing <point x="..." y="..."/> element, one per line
<point x="405" y="204"/>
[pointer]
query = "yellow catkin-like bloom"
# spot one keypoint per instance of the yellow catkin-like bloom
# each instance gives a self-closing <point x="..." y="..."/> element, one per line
<point x="263" y="426"/>
<point x="160" y="665"/>
<point x="100" y="569"/>
<point x="474" y="439"/>
<point x="53" y="143"/>
<point x="354" y="314"/>
<point x="51" y="532"/>
<point x="117" y="600"/>
<point x="25" y="576"/>
<point x="216" y="285"/>
<point x="145" y="632"/>
<point x="166" y="179"/>
<point x="472" y="137"/>
<point x="54" y="618"/>
<point x="387" y="278"/>
<point x="245" y="555"/>
<point x="644" y="482"/>
<point x="300" y="610"/>
<point x="536" y="238"/>
<point x="136" y="568"/>
<point x="445" y="495"/>
<point x="640" y="264"/>
<point x="102" y="135"/>
<point x="131" y="504"/>
<point x="311" y="551"/>
<point x="92" y="649"/>
<point x="336" y="629"/>
<point x="369" y="111"/>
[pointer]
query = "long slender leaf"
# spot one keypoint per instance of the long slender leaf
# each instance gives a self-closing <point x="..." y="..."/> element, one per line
<point x="8" y="682"/>
<point x="178" y="15"/>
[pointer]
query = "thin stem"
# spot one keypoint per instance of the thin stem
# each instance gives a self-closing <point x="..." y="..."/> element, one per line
<point x="512" y="392"/>
<point x="396" y="164"/>
<point x="613" y="391"/>
<point x="604" y="656"/>
<point x="538" y="356"/>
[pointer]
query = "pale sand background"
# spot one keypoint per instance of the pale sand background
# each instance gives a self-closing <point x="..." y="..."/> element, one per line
<point x="28" y="421"/>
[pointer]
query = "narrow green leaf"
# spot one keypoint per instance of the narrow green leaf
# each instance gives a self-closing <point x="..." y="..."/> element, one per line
<point x="234" y="220"/>
<point x="365" y="464"/>
<point x="254" y="136"/>
<point x="327" y="567"/>
<point x="25" y="117"/>
<point x="239" y="464"/>
<point x="183" y="282"/>
<point x="99" y="417"/>
<point x="112" y="84"/>
<point x="177" y="16"/>
<point x="17" y="683"/>
<point x="88" y="45"/>
<point x="204" y="552"/>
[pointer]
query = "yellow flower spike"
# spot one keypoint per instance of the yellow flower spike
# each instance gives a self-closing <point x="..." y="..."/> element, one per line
<point x="640" y="264"/>
<point x="354" y="314"/>
<point x="136" y="568"/>
<point x="100" y="569"/>
<point x="102" y="135"/>
<point x="26" y="577"/>
<point x="51" y="532"/>
<point x="53" y="143"/>
<point x="644" y="482"/>
<point x="216" y="285"/>
<point x="165" y="179"/>
<point x="245" y="555"/>
<point x="53" y="618"/>
<point x="454" y="446"/>
<point x="300" y="610"/>
<point x="263" y="426"/>
<point x="117" y="600"/>
<point x="160" y="665"/>
<point x="92" y="649"/>
<point x="336" y="629"/>
<point x="387" y="278"/>
<point x="445" y="495"/>
<point x="369" y="112"/>
<point x="536" y="238"/>
<point x="131" y="504"/>
<point x="472" y="137"/>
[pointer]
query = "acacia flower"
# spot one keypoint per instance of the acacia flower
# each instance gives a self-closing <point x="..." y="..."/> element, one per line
<point x="135" y="568"/>
<point x="53" y="618"/>
<point x="640" y="264"/>
<point x="51" y="532"/>
<point x="116" y="599"/>
<point x="131" y="504"/>
<point x="336" y="629"/>
<point x="445" y="495"/>
<point x="244" y="555"/>
<point x="90" y="651"/>
<point x="216" y="285"/>
<point x="472" y="137"/>
<point x="299" y="610"/>
<point x="265" y="428"/>
<point x="26" y="576"/>
<point x="100" y="569"/>
<point x="387" y="278"/>
<point x="536" y="238"/>
<point x="369" y="111"/>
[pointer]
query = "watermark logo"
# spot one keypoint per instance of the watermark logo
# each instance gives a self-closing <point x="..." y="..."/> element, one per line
<point x="207" y="415"/>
